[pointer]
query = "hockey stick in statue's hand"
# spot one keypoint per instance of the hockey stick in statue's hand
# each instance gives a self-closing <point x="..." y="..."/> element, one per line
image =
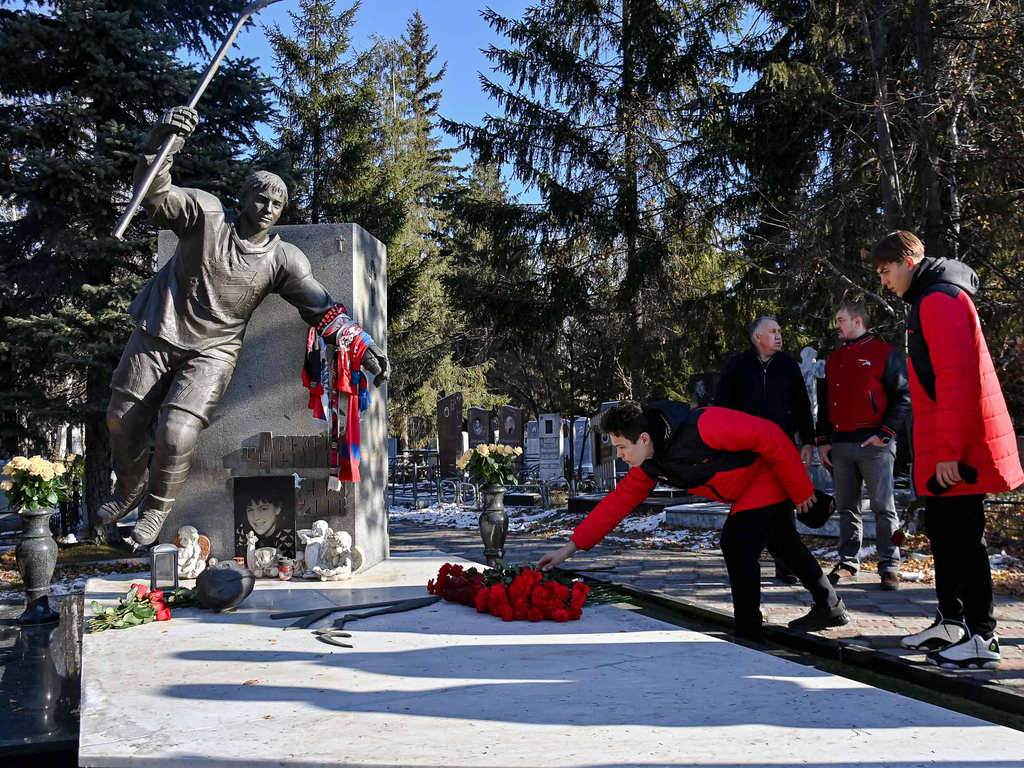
<point x="147" y="180"/>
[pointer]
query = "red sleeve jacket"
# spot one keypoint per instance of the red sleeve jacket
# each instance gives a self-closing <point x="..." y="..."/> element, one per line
<point x="958" y="405"/>
<point x="717" y="453"/>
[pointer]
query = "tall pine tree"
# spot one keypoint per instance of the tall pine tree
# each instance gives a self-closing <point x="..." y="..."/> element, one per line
<point x="605" y="113"/>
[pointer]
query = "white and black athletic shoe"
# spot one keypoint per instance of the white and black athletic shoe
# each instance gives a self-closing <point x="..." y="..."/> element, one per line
<point x="942" y="634"/>
<point x="974" y="652"/>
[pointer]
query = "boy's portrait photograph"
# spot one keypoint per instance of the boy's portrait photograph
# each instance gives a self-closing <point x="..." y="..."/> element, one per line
<point x="265" y="506"/>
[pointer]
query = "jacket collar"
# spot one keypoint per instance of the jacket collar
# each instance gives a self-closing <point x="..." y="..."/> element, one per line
<point x="860" y="339"/>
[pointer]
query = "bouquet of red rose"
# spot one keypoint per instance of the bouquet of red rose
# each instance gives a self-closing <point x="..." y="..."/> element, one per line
<point x="511" y="593"/>
<point x="140" y="606"/>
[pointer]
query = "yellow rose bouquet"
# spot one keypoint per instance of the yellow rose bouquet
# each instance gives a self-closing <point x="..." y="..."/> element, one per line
<point x="491" y="463"/>
<point x="34" y="483"/>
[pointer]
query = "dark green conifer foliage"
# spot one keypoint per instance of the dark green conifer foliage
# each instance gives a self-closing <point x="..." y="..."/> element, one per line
<point x="607" y="106"/>
<point x="325" y="126"/>
<point x="83" y="81"/>
<point x="416" y="168"/>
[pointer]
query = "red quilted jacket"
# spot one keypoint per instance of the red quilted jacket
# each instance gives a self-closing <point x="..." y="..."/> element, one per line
<point x="717" y="453"/>
<point x="958" y="405"/>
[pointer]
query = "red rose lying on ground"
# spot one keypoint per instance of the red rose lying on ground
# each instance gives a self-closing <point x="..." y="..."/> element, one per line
<point x="138" y="606"/>
<point x="511" y="593"/>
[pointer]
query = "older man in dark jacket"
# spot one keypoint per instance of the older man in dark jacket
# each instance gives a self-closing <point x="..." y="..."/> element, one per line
<point x="764" y="381"/>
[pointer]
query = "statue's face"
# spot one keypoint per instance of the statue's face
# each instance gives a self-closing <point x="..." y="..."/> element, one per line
<point x="262" y="208"/>
<point x="262" y="516"/>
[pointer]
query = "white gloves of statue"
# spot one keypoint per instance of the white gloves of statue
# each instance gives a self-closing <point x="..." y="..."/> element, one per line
<point x="177" y="121"/>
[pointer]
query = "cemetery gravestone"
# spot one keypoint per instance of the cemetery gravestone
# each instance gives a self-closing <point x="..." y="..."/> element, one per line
<point x="552" y="446"/>
<point x="478" y="424"/>
<point x="532" y="450"/>
<point x="702" y="388"/>
<point x="510" y="426"/>
<point x="263" y="427"/>
<point x="449" y="433"/>
<point x="606" y="464"/>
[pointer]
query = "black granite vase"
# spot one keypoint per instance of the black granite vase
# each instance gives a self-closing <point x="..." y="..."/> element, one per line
<point x="493" y="522"/>
<point x="36" y="555"/>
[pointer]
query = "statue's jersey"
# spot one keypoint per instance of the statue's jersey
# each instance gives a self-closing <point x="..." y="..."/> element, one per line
<point x="203" y="297"/>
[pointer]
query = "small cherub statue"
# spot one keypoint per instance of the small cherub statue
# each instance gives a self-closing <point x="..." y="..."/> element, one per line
<point x="193" y="550"/>
<point x="265" y="561"/>
<point x="313" y="539"/>
<point x="335" y="558"/>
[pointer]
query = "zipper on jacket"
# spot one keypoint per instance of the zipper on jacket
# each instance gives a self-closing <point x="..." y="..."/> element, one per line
<point x="715" y="491"/>
<point x="873" y="406"/>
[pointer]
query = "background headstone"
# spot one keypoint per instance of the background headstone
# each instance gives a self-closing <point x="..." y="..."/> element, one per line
<point x="511" y="427"/>
<point x="581" y="444"/>
<point x="263" y="426"/>
<point x="532" y="449"/>
<point x="449" y="433"/>
<point x="702" y="388"/>
<point x="606" y="465"/>
<point x="478" y="425"/>
<point x="552" y="445"/>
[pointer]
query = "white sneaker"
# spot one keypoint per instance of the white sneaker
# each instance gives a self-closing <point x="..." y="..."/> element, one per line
<point x="939" y="635"/>
<point x="975" y="652"/>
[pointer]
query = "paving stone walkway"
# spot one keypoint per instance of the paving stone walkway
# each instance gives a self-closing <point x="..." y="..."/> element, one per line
<point x="879" y="619"/>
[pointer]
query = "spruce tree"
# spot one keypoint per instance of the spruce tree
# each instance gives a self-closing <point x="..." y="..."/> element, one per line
<point x="83" y="82"/>
<point x="423" y="332"/>
<point x="325" y="127"/>
<point x="607" y="109"/>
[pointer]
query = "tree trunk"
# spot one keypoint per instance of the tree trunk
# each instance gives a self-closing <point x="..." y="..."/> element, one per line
<point x="97" y="446"/>
<point x="629" y="200"/>
<point x="889" y="182"/>
<point x="928" y="107"/>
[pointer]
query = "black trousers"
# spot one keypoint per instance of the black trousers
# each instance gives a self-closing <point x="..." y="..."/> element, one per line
<point x="744" y="535"/>
<point x="963" y="579"/>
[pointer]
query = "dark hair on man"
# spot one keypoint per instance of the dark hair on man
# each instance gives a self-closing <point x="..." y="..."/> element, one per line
<point x="755" y="326"/>
<point x="856" y="309"/>
<point x="265" y="181"/>
<point x="626" y="419"/>
<point x="895" y="247"/>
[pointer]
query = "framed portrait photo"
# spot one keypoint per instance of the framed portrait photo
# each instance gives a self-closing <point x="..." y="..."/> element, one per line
<point x="265" y="505"/>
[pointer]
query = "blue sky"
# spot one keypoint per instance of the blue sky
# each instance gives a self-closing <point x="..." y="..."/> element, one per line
<point x="454" y="26"/>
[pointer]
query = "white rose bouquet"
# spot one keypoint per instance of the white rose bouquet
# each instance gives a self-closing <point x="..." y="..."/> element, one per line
<point x="491" y="463"/>
<point x="34" y="483"/>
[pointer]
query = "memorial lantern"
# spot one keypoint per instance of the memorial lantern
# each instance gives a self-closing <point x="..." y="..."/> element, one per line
<point x="163" y="567"/>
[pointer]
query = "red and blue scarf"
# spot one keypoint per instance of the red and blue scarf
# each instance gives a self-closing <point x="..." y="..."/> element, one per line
<point x="325" y="402"/>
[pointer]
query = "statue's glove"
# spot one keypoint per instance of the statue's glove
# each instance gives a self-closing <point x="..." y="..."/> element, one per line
<point x="178" y="122"/>
<point x="376" y="363"/>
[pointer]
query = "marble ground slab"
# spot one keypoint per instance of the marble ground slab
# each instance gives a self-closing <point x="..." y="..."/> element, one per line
<point x="445" y="686"/>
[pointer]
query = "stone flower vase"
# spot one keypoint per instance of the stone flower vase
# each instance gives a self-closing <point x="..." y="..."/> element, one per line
<point x="493" y="522"/>
<point x="36" y="555"/>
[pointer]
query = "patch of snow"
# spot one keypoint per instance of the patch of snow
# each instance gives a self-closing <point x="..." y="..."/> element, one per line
<point x="642" y="524"/>
<point x="912" y="576"/>
<point x="1002" y="560"/>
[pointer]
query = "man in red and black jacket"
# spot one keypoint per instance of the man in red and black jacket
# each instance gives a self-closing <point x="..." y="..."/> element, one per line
<point x="723" y="455"/>
<point x="868" y="401"/>
<point x="963" y="441"/>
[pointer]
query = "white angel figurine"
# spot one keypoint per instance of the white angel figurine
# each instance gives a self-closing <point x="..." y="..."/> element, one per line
<point x="335" y="558"/>
<point x="313" y="539"/>
<point x="193" y="549"/>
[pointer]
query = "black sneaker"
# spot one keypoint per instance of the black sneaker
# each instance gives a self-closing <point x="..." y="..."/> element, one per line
<point x="839" y="573"/>
<point x="822" y="617"/>
<point x="786" y="577"/>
